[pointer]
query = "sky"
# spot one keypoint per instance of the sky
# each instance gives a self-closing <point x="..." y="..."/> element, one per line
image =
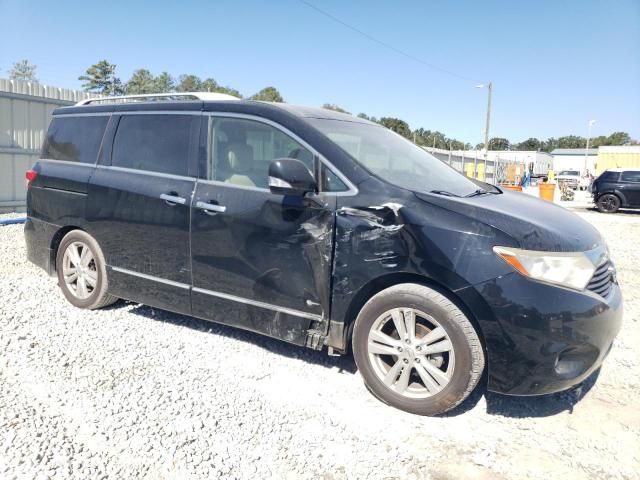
<point x="554" y="65"/>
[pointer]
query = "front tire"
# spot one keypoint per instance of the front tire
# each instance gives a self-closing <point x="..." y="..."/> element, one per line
<point x="416" y="350"/>
<point x="608" y="203"/>
<point x="81" y="271"/>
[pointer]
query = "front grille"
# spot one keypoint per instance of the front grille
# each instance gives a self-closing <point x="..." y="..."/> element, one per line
<point x="602" y="280"/>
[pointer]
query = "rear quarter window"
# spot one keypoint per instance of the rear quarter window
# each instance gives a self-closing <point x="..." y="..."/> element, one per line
<point x="74" y="139"/>
<point x="608" y="177"/>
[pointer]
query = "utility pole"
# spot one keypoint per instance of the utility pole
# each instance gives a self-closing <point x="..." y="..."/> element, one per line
<point x="586" y="152"/>
<point x="486" y="128"/>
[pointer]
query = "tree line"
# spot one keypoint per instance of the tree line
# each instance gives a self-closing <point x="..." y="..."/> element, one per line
<point x="101" y="78"/>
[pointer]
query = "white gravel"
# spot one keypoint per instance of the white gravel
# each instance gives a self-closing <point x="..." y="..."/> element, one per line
<point x="135" y="392"/>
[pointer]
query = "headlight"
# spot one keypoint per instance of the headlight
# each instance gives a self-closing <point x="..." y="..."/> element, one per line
<point x="573" y="270"/>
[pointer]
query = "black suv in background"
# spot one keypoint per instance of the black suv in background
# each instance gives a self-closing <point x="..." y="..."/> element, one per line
<point x="617" y="188"/>
<point x="324" y="230"/>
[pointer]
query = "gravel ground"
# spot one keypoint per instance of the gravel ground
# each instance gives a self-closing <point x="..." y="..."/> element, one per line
<point x="135" y="392"/>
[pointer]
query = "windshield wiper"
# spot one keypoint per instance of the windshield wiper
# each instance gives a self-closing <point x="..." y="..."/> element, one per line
<point x="480" y="191"/>
<point x="444" y="192"/>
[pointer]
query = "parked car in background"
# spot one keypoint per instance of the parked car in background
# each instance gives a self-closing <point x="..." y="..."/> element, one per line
<point x="571" y="177"/>
<point x="617" y="188"/>
<point x="326" y="231"/>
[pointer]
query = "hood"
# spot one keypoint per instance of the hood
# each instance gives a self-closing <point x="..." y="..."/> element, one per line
<point x="534" y="223"/>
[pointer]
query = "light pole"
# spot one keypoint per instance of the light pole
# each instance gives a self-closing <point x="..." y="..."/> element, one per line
<point x="486" y="127"/>
<point x="586" y="152"/>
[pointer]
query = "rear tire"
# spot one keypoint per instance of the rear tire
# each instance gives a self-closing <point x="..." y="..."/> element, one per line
<point x="81" y="271"/>
<point x="608" y="203"/>
<point x="425" y="369"/>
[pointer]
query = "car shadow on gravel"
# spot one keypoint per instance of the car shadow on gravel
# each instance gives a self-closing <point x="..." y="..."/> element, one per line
<point x="523" y="407"/>
<point x="343" y="363"/>
<point x="496" y="404"/>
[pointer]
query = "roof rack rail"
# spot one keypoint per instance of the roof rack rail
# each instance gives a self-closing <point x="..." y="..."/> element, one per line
<point x="151" y="97"/>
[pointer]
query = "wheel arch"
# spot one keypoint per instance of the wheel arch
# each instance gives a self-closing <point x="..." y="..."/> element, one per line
<point x="378" y="284"/>
<point x="56" y="239"/>
<point x="617" y="193"/>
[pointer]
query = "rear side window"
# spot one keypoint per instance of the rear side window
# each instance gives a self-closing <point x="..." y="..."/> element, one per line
<point x="74" y="139"/>
<point x="609" y="177"/>
<point x="158" y="143"/>
<point x="631" y="177"/>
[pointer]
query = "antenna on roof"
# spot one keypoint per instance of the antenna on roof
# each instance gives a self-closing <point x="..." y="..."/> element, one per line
<point x="162" y="97"/>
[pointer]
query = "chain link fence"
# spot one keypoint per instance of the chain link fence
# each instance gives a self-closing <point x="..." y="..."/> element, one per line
<point x="494" y="167"/>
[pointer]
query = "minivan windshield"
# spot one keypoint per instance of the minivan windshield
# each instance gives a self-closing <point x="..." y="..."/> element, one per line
<point x="569" y="172"/>
<point x="395" y="159"/>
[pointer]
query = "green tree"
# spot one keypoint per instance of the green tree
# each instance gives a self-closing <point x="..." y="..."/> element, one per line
<point x="23" y="70"/>
<point x="456" y="144"/>
<point x="210" y="85"/>
<point x="101" y="78"/>
<point x="529" y="144"/>
<point x="335" y="108"/>
<point x="498" y="143"/>
<point x="431" y="138"/>
<point x="228" y="91"/>
<point x="367" y="117"/>
<point x="572" y="141"/>
<point x="399" y="126"/>
<point x="619" y="138"/>
<point x="189" y="83"/>
<point x="141" y="82"/>
<point x="268" y="94"/>
<point x="164" y="83"/>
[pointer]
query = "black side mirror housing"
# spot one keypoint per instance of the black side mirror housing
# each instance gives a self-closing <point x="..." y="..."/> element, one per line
<point x="288" y="176"/>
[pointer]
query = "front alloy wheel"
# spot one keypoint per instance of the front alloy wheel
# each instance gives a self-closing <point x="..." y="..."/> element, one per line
<point x="411" y="353"/>
<point x="416" y="350"/>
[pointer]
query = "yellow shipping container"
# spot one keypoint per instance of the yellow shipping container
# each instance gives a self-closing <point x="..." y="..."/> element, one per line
<point x="617" y="157"/>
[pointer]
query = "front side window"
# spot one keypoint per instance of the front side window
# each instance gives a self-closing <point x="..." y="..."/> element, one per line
<point x="631" y="177"/>
<point x="393" y="158"/>
<point x="74" y="139"/>
<point x="241" y="150"/>
<point x="157" y="143"/>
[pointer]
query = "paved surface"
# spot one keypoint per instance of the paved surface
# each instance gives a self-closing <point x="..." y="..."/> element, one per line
<point x="135" y="392"/>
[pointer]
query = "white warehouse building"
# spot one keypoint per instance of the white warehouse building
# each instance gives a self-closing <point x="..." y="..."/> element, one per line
<point x="579" y="159"/>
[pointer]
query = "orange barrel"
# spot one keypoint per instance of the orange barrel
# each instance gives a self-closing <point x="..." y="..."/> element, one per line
<point x="515" y="188"/>
<point x="547" y="191"/>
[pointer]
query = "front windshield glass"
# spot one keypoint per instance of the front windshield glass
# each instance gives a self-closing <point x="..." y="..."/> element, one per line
<point x="395" y="159"/>
<point x="569" y="172"/>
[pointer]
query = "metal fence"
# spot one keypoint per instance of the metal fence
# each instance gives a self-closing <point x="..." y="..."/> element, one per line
<point x="496" y="167"/>
<point x="25" y="111"/>
<point x="471" y="163"/>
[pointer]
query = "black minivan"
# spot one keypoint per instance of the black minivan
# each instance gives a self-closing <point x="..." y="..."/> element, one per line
<point x="322" y="229"/>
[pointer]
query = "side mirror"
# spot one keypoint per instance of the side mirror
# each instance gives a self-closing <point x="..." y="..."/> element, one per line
<point x="288" y="176"/>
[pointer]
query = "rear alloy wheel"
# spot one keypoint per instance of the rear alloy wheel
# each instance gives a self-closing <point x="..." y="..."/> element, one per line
<point x="416" y="350"/>
<point x="81" y="271"/>
<point x="608" y="203"/>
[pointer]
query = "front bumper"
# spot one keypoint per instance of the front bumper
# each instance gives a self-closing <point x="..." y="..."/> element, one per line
<point x="545" y="339"/>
